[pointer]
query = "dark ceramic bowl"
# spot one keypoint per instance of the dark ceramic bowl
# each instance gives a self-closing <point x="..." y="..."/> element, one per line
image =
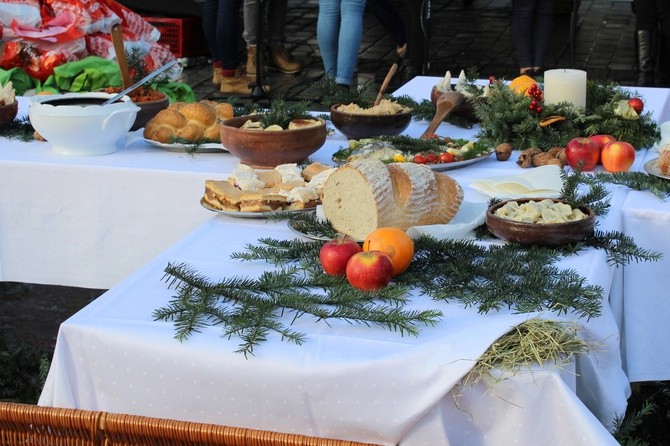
<point x="360" y="126"/>
<point x="541" y="234"/>
<point x="8" y="113"/>
<point x="149" y="109"/>
<point x="267" y="149"/>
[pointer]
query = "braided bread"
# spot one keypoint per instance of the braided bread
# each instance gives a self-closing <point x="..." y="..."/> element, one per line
<point x="192" y="121"/>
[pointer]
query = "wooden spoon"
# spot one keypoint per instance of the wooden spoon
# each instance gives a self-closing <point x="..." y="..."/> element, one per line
<point x="119" y="49"/>
<point x="385" y="84"/>
<point x="444" y="105"/>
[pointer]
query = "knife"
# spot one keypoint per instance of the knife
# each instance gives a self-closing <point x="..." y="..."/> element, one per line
<point x="139" y="83"/>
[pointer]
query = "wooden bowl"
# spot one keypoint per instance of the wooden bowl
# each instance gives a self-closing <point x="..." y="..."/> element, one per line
<point x="541" y="234"/>
<point x="267" y="149"/>
<point x="149" y="109"/>
<point x="360" y="126"/>
<point x="8" y="113"/>
<point x="466" y="109"/>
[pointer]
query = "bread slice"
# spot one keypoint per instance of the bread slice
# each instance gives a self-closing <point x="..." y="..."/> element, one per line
<point x="367" y="194"/>
<point x="358" y="198"/>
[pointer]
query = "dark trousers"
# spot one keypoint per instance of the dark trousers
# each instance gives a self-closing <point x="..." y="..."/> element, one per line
<point x="221" y="25"/>
<point x="532" y="21"/>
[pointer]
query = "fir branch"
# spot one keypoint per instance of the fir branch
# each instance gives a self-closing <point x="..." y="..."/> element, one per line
<point x="19" y="128"/>
<point x="638" y="181"/>
<point x="621" y="248"/>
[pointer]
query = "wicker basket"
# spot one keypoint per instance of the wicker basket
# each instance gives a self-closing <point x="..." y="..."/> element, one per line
<point x="23" y="424"/>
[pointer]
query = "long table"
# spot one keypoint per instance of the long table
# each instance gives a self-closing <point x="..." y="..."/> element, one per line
<point x="112" y="355"/>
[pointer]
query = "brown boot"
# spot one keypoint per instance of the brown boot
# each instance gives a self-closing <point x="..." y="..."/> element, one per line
<point x="281" y="60"/>
<point x="216" y="78"/>
<point x="238" y="84"/>
<point x="251" y="62"/>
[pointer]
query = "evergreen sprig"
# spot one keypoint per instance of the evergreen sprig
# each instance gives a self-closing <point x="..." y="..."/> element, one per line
<point x="19" y="128"/>
<point x="251" y="309"/>
<point x="505" y="117"/>
<point x="637" y="181"/>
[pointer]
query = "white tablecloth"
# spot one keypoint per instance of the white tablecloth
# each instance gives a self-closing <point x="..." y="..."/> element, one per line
<point x="646" y="294"/>
<point x="346" y="381"/>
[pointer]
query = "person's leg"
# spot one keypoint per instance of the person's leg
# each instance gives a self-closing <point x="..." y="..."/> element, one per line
<point x="416" y="38"/>
<point x="522" y="29"/>
<point x="276" y="20"/>
<point x="327" y="34"/>
<point x="250" y="35"/>
<point x="663" y="14"/>
<point x="209" y="17"/>
<point x="349" y="42"/>
<point x="646" y="38"/>
<point x="390" y="19"/>
<point x="543" y="25"/>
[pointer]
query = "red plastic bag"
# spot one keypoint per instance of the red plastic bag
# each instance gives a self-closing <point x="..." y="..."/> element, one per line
<point x="92" y="16"/>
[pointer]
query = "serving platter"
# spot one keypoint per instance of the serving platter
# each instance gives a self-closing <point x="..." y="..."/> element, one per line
<point x="262" y="214"/>
<point x="209" y="147"/>
<point x="652" y="168"/>
<point x="456" y="164"/>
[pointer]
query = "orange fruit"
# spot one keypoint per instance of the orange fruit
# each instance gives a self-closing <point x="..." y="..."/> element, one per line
<point x="395" y="243"/>
<point x="521" y="84"/>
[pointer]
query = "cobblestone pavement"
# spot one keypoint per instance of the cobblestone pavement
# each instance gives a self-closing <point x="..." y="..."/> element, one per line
<point x="462" y="34"/>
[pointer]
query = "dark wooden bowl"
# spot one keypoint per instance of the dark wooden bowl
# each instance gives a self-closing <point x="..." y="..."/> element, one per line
<point x="149" y="109"/>
<point x="8" y="113"/>
<point x="541" y="234"/>
<point x="360" y="126"/>
<point x="267" y="149"/>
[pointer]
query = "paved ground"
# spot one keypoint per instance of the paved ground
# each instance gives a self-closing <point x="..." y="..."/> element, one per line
<point x="462" y="34"/>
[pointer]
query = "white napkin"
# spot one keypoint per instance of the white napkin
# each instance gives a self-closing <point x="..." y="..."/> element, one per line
<point x="543" y="181"/>
<point x="665" y="137"/>
<point x="469" y="216"/>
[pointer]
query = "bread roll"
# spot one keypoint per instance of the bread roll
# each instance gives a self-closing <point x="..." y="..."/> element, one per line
<point x="193" y="121"/>
<point x="664" y="162"/>
<point x="367" y="194"/>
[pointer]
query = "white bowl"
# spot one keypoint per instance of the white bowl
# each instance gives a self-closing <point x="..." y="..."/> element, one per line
<point x="76" y="124"/>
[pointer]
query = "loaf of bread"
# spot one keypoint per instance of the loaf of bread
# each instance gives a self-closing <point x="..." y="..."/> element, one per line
<point x="192" y="121"/>
<point x="367" y="194"/>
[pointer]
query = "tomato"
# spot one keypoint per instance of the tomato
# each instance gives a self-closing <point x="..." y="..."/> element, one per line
<point x="419" y="159"/>
<point x="446" y="157"/>
<point x="431" y="158"/>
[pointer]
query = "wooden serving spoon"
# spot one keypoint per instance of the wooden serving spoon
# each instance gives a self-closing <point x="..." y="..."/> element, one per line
<point x="444" y="105"/>
<point x="119" y="49"/>
<point x="385" y="84"/>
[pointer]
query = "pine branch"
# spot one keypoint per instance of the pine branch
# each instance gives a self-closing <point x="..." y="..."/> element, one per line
<point x="638" y="181"/>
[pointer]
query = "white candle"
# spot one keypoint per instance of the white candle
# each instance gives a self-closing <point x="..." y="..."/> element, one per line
<point x="565" y="85"/>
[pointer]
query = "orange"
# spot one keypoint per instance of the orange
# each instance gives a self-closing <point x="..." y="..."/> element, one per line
<point x="521" y="84"/>
<point x="395" y="243"/>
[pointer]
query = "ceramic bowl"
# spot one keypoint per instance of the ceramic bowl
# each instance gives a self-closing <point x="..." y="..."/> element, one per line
<point x="360" y="126"/>
<point x="77" y="124"/>
<point x="540" y="234"/>
<point x="8" y="113"/>
<point x="267" y="149"/>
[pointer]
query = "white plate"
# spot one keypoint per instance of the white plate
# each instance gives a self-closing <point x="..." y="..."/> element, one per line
<point x="209" y="147"/>
<point x="651" y="167"/>
<point x="456" y="164"/>
<point x="262" y="214"/>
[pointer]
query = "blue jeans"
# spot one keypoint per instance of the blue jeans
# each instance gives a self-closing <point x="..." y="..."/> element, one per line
<point x="338" y="30"/>
<point x="220" y="23"/>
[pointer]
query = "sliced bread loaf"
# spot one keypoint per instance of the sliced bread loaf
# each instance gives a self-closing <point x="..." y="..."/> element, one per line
<point x="367" y="194"/>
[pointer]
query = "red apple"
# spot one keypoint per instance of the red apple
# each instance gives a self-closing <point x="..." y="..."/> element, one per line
<point x="637" y="104"/>
<point x="617" y="156"/>
<point x="582" y="153"/>
<point x="369" y="270"/>
<point x="335" y="254"/>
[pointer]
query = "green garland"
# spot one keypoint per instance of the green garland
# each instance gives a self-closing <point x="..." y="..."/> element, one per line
<point x="505" y="117"/>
